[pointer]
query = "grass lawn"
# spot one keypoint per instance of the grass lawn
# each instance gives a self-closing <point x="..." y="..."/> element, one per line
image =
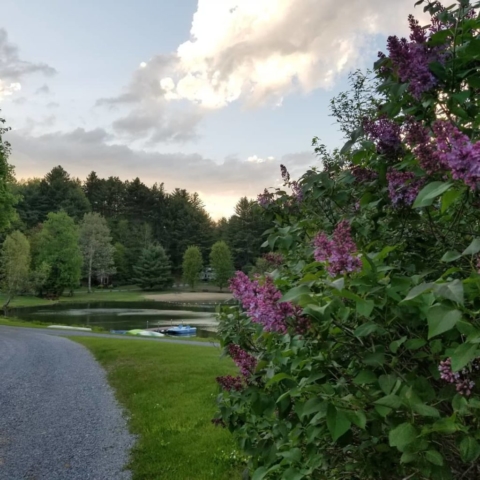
<point x="13" y="322"/>
<point x="169" y="392"/>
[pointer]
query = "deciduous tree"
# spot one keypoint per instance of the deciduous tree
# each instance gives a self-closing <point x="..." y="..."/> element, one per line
<point x="222" y="264"/>
<point x="192" y="265"/>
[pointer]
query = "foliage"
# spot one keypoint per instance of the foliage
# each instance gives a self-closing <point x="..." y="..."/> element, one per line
<point x="221" y="262"/>
<point x="359" y="354"/>
<point x="153" y="268"/>
<point x="96" y="246"/>
<point x="7" y="198"/>
<point x="15" y="265"/>
<point x="169" y="407"/>
<point x="192" y="265"/>
<point x="58" y="247"/>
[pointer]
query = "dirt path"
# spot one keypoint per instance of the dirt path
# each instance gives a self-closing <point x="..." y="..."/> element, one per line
<point x="190" y="297"/>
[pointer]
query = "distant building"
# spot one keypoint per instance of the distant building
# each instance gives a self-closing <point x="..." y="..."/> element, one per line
<point x="207" y="274"/>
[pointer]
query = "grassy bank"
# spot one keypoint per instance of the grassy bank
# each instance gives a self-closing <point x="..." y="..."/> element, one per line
<point x="169" y="392"/>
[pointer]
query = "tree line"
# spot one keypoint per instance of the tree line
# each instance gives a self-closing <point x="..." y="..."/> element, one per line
<point x="130" y="224"/>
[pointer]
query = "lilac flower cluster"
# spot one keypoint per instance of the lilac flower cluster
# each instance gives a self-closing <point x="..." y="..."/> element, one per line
<point x="261" y="302"/>
<point x="243" y="360"/>
<point x="265" y="199"/>
<point x="402" y="187"/>
<point x="274" y="258"/>
<point x="363" y="175"/>
<point x="339" y="251"/>
<point x="385" y="134"/>
<point x="457" y="151"/>
<point x="230" y="383"/>
<point x="463" y="384"/>
<point x="411" y="59"/>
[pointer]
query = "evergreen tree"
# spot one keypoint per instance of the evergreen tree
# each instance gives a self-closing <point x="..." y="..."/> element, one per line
<point x="120" y="261"/>
<point x="58" y="247"/>
<point x="15" y="265"/>
<point x="153" y="268"/>
<point x="96" y="246"/>
<point x="7" y="199"/>
<point x="192" y="265"/>
<point x="222" y="264"/>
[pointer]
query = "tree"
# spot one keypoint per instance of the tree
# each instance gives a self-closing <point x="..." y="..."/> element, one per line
<point x="7" y="199"/>
<point x="153" y="268"/>
<point x="15" y="265"/>
<point x="58" y="247"/>
<point x="96" y="247"/>
<point x="192" y="265"/>
<point x="120" y="261"/>
<point x="222" y="264"/>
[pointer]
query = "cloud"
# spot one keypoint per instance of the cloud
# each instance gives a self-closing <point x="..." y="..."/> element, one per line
<point x="251" y="51"/>
<point x="13" y="69"/>
<point x="53" y="105"/>
<point x="43" y="90"/>
<point x="80" y="151"/>
<point x="260" y="51"/>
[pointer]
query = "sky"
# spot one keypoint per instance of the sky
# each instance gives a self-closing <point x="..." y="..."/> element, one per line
<point x="207" y="95"/>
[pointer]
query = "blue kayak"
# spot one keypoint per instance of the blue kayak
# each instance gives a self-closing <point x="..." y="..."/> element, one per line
<point x="182" y="330"/>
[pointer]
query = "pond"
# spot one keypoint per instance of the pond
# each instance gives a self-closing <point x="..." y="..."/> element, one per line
<point x="123" y="315"/>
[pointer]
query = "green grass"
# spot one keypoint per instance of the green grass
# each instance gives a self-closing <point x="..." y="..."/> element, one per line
<point x="169" y="392"/>
<point x="13" y="322"/>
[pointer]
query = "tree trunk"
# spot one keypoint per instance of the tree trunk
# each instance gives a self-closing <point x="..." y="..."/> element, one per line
<point x="90" y="274"/>
<point x="5" y="305"/>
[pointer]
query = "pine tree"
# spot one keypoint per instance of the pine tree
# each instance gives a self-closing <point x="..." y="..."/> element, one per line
<point x="153" y="268"/>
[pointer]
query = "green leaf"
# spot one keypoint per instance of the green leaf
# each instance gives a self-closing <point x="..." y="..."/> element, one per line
<point x="293" y="455"/>
<point x="394" y="346"/>
<point x="418" y="290"/>
<point x="365" y="377"/>
<point x="359" y="419"/>
<point x="278" y="378"/>
<point x="434" y="457"/>
<point x="365" y="307"/>
<point x="295" y="293"/>
<point x="391" y="401"/>
<point x="402" y="436"/>
<point x="425" y="410"/>
<point x="365" y="329"/>
<point x="452" y="291"/>
<point x="415" y="343"/>
<point x="469" y="449"/>
<point x="260" y="473"/>
<point x="337" y="422"/>
<point x="451" y="256"/>
<point x="375" y="359"/>
<point x="441" y="319"/>
<point x="313" y="405"/>
<point x="448" y="198"/>
<point x="386" y="383"/>
<point x="430" y="192"/>
<point x="473" y="248"/>
<point x="408" y="457"/>
<point x="463" y="355"/>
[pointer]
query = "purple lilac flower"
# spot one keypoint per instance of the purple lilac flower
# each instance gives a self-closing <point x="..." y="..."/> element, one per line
<point x="274" y="258"/>
<point x="261" y="302"/>
<point x="230" y="383"/>
<point x="463" y="384"/>
<point x="265" y="198"/>
<point x="411" y="59"/>
<point x="385" y="134"/>
<point x="297" y="191"/>
<point x="363" y="174"/>
<point x="339" y="251"/>
<point x="457" y="151"/>
<point x="243" y="360"/>
<point x="285" y="174"/>
<point x="402" y="188"/>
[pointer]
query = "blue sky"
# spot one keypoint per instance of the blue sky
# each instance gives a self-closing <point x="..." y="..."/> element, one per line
<point x="208" y="95"/>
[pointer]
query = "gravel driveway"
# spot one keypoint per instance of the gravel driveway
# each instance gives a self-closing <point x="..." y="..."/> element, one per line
<point x="58" y="417"/>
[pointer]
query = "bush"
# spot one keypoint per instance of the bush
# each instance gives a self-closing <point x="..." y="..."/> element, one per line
<point x="358" y="353"/>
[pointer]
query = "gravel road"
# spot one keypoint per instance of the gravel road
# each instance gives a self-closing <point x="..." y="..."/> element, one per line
<point x="59" y="419"/>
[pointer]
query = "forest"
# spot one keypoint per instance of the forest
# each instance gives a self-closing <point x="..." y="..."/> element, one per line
<point x="130" y="217"/>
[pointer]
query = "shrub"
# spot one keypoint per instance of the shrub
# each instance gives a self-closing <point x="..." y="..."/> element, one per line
<point x="358" y="353"/>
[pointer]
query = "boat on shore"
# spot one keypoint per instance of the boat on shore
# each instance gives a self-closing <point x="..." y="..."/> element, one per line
<point x="180" y="330"/>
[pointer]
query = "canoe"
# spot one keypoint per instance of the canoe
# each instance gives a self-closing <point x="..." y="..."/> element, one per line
<point x="64" y="327"/>
<point x="182" y="330"/>
<point x="145" y="333"/>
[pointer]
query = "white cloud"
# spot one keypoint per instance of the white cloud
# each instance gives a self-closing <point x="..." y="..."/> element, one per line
<point x="13" y="69"/>
<point x="260" y="51"/>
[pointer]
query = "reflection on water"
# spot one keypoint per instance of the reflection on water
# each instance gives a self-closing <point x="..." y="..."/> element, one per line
<point x="123" y="315"/>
